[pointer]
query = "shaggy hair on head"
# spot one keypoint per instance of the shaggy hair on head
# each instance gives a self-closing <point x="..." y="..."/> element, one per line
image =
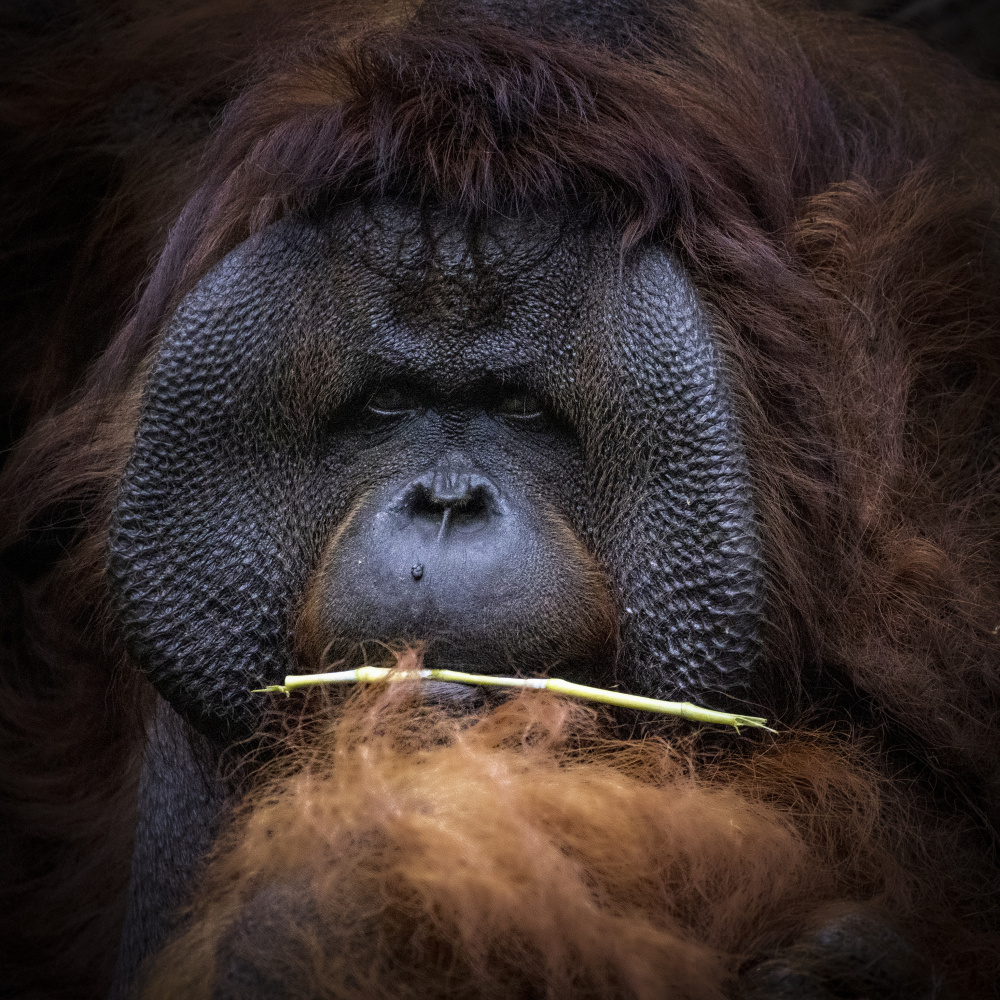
<point x="832" y="188"/>
<point x="401" y="852"/>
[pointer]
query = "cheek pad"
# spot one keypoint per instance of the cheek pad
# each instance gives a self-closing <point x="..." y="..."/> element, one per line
<point x="221" y="505"/>
<point x="675" y="495"/>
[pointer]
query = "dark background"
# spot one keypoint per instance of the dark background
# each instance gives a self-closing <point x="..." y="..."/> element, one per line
<point x="969" y="29"/>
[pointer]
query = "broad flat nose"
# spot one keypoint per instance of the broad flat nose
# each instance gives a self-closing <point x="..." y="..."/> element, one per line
<point x="450" y="500"/>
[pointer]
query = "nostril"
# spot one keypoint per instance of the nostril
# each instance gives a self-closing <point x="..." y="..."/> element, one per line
<point x="450" y="502"/>
<point x="472" y="506"/>
<point x="422" y="503"/>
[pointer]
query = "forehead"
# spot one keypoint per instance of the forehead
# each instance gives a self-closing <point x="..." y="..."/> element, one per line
<point x="445" y="298"/>
<point x="317" y="308"/>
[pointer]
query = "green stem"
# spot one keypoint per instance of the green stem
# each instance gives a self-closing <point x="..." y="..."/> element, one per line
<point x="685" y="709"/>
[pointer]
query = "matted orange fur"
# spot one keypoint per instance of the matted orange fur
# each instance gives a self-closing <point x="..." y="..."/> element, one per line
<point x="402" y="851"/>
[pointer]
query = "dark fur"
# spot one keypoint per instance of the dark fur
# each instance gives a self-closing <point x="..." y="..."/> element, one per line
<point x="833" y="190"/>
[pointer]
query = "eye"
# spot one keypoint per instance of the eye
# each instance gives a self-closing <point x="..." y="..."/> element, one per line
<point x="389" y="402"/>
<point x="521" y="407"/>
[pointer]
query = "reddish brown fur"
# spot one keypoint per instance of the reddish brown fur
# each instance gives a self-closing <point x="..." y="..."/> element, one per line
<point x="423" y="856"/>
<point x="833" y="190"/>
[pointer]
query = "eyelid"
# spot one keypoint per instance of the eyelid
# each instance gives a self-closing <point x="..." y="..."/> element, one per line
<point x="521" y="407"/>
<point x="389" y="402"/>
<point x="397" y="403"/>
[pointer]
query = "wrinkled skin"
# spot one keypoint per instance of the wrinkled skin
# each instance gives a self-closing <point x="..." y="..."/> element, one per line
<point x="415" y="371"/>
<point x="324" y="398"/>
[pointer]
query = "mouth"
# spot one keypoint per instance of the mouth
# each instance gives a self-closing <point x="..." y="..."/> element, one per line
<point x="420" y="655"/>
<point x="460" y="697"/>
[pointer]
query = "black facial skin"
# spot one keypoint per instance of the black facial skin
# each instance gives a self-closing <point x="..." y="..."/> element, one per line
<point x="538" y="426"/>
